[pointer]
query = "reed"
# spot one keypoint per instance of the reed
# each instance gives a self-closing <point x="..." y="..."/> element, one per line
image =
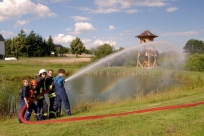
<point x="8" y="97"/>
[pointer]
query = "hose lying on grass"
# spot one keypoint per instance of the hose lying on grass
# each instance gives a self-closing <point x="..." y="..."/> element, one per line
<point x="103" y="116"/>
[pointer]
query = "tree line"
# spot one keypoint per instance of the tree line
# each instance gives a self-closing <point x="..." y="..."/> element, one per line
<point x="31" y="45"/>
<point x="34" y="45"/>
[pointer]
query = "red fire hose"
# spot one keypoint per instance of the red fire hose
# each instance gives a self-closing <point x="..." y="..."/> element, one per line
<point x="107" y="115"/>
<point x="24" y="108"/>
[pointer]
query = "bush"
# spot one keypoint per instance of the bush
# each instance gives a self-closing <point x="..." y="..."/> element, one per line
<point x="195" y="62"/>
<point x="8" y="95"/>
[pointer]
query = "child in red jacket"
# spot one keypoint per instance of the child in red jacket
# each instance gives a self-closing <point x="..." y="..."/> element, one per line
<point x="33" y="106"/>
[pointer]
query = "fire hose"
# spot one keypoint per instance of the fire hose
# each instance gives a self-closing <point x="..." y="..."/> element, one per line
<point x="106" y="115"/>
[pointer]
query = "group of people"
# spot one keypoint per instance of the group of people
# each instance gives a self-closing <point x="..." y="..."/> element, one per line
<point x="31" y="92"/>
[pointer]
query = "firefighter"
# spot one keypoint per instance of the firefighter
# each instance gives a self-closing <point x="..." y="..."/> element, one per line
<point x="23" y="98"/>
<point x="32" y="98"/>
<point x="51" y="95"/>
<point x="41" y="87"/>
<point x="61" y="95"/>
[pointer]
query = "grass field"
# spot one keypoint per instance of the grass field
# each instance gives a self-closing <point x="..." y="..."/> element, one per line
<point x="175" y="122"/>
<point x="29" y="67"/>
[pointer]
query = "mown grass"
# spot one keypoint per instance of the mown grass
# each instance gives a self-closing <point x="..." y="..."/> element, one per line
<point x="175" y="122"/>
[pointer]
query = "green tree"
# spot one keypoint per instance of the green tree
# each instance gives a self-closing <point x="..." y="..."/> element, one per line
<point x="17" y="45"/>
<point x="66" y="50"/>
<point x="50" y="46"/>
<point x="103" y="50"/>
<point x="40" y="46"/>
<point x="120" y="49"/>
<point x="22" y="33"/>
<point x="77" y="47"/>
<point x="194" y="46"/>
<point x="7" y="44"/>
<point x="195" y="62"/>
<point x="31" y="44"/>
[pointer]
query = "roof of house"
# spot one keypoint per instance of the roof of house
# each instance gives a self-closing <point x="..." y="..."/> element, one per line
<point x="58" y="45"/>
<point x="146" y="33"/>
<point x="1" y="38"/>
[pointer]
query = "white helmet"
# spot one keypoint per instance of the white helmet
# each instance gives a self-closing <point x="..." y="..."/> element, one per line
<point x="42" y="71"/>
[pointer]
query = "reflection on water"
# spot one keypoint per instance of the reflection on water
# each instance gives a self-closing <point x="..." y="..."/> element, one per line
<point x="90" y="88"/>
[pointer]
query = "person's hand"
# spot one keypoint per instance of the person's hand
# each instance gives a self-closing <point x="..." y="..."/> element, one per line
<point x="34" y="99"/>
<point x="27" y="105"/>
<point x="37" y="97"/>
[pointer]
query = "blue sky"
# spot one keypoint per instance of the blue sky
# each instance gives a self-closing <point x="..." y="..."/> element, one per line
<point x="96" y="22"/>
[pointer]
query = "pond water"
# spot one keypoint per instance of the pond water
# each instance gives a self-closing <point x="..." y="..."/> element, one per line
<point x="104" y="88"/>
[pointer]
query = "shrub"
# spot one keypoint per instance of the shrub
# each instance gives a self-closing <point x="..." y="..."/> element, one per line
<point x="195" y="62"/>
<point x="8" y="93"/>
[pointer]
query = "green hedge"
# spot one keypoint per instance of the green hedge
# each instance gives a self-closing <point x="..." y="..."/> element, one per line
<point x="195" y="62"/>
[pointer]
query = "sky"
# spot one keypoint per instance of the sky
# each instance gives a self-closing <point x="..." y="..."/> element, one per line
<point x="96" y="22"/>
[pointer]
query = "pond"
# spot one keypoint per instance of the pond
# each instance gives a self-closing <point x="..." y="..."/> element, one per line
<point x="104" y="88"/>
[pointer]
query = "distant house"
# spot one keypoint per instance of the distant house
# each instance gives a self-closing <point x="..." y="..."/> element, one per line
<point x="2" y="46"/>
<point x="59" y="48"/>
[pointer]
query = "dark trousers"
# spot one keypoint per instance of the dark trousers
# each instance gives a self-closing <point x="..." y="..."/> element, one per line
<point x="34" y="107"/>
<point x="61" y="96"/>
<point x="42" y="105"/>
<point x="53" y="107"/>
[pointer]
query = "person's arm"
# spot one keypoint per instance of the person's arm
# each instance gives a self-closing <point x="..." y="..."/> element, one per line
<point x="32" y="99"/>
<point x="26" y="102"/>
<point x="63" y="81"/>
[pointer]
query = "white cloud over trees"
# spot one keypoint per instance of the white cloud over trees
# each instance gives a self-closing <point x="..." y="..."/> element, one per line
<point x="15" y="9"/>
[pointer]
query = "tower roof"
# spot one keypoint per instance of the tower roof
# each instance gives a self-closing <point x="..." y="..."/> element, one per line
<point x="146" y="33"/>
<point x="1" y="38"/>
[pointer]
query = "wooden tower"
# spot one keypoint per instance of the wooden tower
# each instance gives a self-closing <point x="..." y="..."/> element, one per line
<point x="147" y="36"/>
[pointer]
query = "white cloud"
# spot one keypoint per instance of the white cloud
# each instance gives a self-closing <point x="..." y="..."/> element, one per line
<point x="171" y="9"/>
<point x="80" y="18"/>
<point x="106" y="10"/>
<point x="61" y="38"/>
<point x="20" y="23"/>
<point x="87" y="43"/>
<point x="7" y="33"/>
<point x="111" y="27"/>
<point x="85" y="40"/>
<point x="55" y="1"/>
<point x="131" y="11"/>
<point x="82" y="27"/>
<point x="156" y="3"/>
<point x="14" y="9"/>
<point x="68" y="29"/>
<point x="52" y="1"/>
<point x="129" y="3"/>
<point x="26" y="30"/>
<point x="101" y="42"/>
<point x="110" y="6"/>
<point x="180" y="33"/>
